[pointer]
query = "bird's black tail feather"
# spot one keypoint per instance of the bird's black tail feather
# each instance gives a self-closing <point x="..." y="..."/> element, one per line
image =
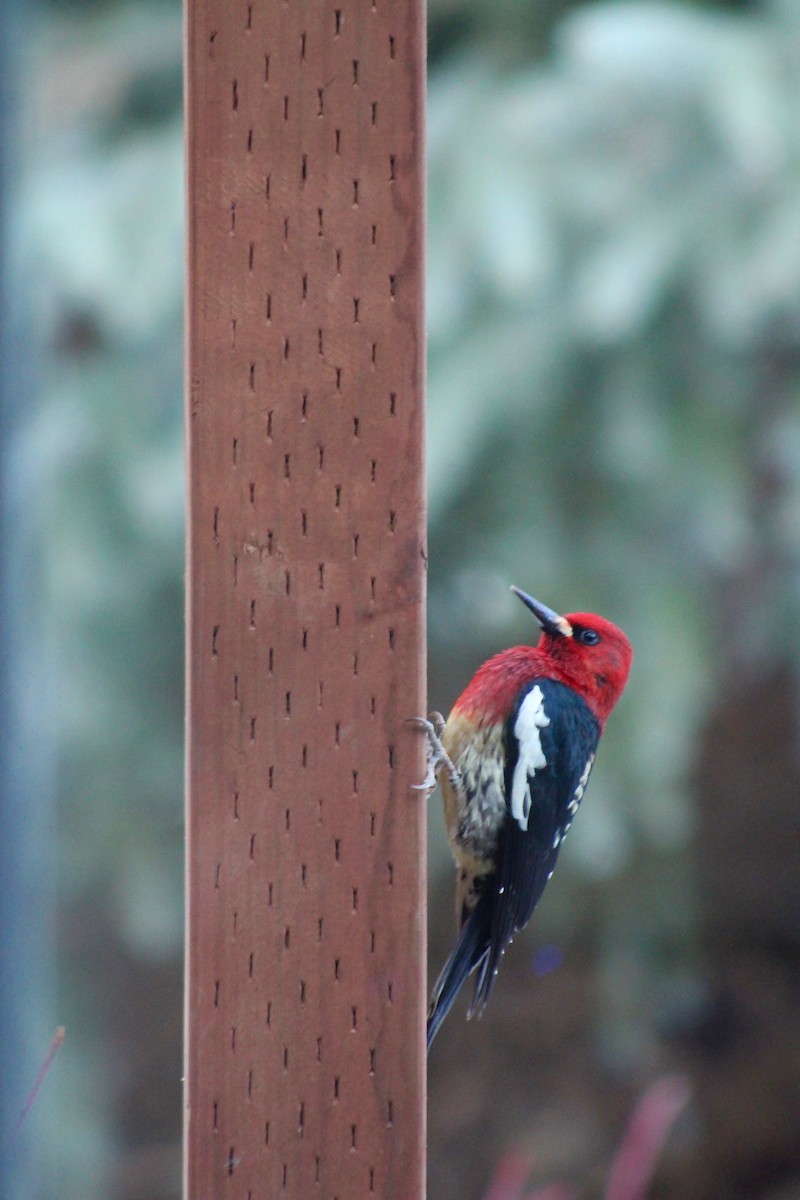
<point x="469" y="952"/>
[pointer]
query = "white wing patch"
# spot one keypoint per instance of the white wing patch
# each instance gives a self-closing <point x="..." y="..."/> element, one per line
<point x="530" y="719"/>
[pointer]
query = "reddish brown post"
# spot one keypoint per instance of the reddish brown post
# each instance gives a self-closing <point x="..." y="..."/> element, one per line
<point x="306" y="858"/>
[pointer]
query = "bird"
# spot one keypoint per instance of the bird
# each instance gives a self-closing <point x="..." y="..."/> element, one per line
<point x="513" y="760"/>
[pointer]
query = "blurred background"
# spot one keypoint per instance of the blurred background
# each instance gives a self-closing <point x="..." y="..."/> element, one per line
<point x="614" y="324"/>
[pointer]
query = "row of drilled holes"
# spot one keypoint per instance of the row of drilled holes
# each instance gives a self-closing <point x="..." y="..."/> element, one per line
<point x="355" y="63"/>
<point x="268" y="315"/>
<point x="338" y="254"/>
<point x="338" y="259"/>
<point x="319" y="1059"/>
<point x="336" y="624"/>
<point x="232" y="1163"/>
<point x="338" y="26"/>
<point x="268" y="546"/>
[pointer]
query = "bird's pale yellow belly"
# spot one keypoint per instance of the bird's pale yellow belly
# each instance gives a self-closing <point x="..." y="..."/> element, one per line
<point x="475" y="809"/>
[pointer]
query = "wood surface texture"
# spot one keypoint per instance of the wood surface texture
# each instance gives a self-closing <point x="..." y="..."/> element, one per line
<point x="305" y="994"/>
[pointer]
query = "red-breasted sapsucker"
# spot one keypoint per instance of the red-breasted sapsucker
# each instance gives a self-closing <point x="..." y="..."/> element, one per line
<point x="513" y="760"/>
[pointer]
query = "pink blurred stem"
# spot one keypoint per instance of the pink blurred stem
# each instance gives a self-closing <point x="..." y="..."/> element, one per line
<point x="553" y="1191"/>
<point x="510" y="1176"/>
<point x="55" y="1046"/>
<point x="644" y="1138"/>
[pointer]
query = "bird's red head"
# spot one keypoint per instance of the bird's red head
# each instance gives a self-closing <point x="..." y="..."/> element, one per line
<point x="585" y="651"/>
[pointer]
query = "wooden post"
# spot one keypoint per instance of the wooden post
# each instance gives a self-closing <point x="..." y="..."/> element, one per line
<point x="306" y="563"/>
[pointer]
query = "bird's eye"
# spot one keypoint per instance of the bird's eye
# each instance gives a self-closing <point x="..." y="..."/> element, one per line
<point x="589" y="637"/>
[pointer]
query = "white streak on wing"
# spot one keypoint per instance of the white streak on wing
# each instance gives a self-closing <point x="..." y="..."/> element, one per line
<point x="530" y="719"/>
<point x="572" y="808"/>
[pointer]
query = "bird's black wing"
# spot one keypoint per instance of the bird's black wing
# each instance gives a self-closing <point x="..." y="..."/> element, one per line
<point x="551" y="737"/>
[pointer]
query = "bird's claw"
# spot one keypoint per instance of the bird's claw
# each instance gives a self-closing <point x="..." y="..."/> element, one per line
<point x="433" y="727"/>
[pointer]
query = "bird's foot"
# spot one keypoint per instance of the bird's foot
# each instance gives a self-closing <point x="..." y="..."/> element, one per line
<point x="433" y="727"/>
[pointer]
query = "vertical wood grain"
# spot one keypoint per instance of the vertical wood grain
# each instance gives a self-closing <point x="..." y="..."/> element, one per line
<point x="306" y="568"/>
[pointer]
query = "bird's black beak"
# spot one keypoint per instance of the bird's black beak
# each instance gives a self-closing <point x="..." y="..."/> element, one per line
<point x="550" y="621"/>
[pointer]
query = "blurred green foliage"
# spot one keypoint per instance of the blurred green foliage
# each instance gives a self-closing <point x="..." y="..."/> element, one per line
<point x="614" y="323"/>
